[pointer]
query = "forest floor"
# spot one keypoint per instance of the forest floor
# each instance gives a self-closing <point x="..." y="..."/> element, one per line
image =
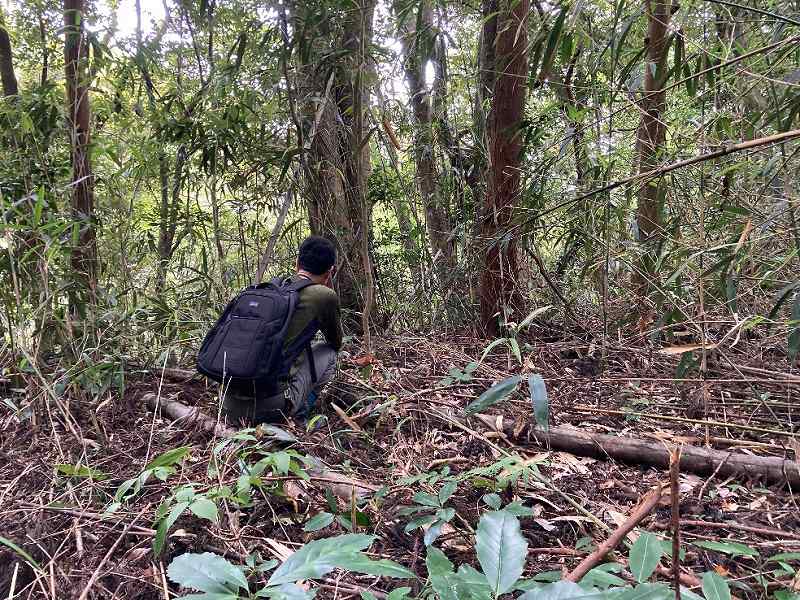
<point x="402" y="432"/>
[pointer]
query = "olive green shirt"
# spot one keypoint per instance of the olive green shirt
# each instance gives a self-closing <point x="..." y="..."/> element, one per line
<point x="321" y="303"/>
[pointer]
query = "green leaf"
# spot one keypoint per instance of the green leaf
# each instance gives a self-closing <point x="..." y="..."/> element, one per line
<point x="81" y="472"/>
<point x="169" y="458"/>
<point x="715" y="587"/>
<point x="560" y="590"/>
<point x="552" y="43"/>
<point x="165" y="524"/>
<point x="361" y="563"/>
<point x="785" y="556"/>
<point x="318" y="521"/>
<point x="494" y="394"/>
<point x="318" y="558"/>
<point x="421" y="521"/>
<point x="732" y="548"/>
<point x="794" y="336"/>
<point x="493" y="500"/>
<point x="472" y="584"/>
<point x="646" y="591"/>
<point x="448" y="489"/>
<point x="204" y="508"/>
<point x="492" y="346"/>
<point x="426" y="499"/>
<point x="644" y="556"/>
<point x="9" y="544"/>
<point x="501" y="550"/>
<point x="541" y="404"/>
<point x="602" y="578"/>
<point x="207" y="572"/>
<point x="515" y="349"/>
<point x="433" y="532"/>
<point x="440" y="574"/>
<point x="287" y="591"/>
<point x="398" y="593"/>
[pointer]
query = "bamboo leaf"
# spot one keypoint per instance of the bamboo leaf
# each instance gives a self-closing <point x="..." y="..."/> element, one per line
<point x="494" y="394"/>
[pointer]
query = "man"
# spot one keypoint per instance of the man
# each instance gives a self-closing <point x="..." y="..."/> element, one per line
<point x="317" y="310"/>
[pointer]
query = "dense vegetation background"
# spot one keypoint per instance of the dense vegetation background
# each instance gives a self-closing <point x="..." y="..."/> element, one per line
<point x="557" y="189"/>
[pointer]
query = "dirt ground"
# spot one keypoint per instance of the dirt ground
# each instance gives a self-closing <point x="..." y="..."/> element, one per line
<point x="403" y="423"/>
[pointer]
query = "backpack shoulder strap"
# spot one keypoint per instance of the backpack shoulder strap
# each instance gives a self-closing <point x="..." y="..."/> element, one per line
<point x="300" y="284"/>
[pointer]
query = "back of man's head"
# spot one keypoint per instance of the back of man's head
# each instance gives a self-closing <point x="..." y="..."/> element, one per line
<point x="317" y="255"/>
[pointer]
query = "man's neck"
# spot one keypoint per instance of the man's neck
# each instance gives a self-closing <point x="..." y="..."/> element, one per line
<point x="310" y="276"/>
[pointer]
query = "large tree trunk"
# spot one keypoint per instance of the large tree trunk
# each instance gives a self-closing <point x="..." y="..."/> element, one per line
<point x="418" y="49"/>
<point x="498" y="286"/>
<point x="84" y="253"/>
<point x="7" y="76"/>
<point x="650" y="137"/>
<point x="339" y="164"/>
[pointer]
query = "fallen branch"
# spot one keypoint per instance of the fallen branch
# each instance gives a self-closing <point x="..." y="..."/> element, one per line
<point x="641" y="452"/>
<point x="341" y="485"/>
<point x="645" y="507"/>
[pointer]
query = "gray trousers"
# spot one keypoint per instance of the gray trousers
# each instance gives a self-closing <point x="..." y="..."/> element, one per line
<point x="294" y="400"/>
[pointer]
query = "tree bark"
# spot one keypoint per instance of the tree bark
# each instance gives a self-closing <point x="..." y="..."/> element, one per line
<point x="84" y="253"/>
<point x="645" y="452"/>
<point x="339" y="164"/>
<point x="7" y="75"/>
<point x="418" y="49"/>
<point x="499" y="295"/>
<point x="650" y="137"/>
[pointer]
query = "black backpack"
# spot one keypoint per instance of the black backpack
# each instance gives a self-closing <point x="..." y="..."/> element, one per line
<point x="245" y="348"/>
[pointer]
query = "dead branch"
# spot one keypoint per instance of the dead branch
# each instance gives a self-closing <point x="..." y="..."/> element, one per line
<point x="648" y="503"/>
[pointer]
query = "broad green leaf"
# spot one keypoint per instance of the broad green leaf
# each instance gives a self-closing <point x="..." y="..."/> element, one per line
<point x="602" y="578"/>
<point x="494" y="344"/>
<point x="426" y="499"/>
<point x="358" y="562"/>
<point x="204" y="508"/>
<point x="287" y="591"/>
<point x="9" y="544"/>
<point x="515" y="349"/>
<point x="732" y="548"/>
<point x="206" y="572"/>
<point x="493" y="500"/>
<point x="472" y="584"/>
<point x="163" y="528"/>
<point x="646" y="591"/>
<point x="644" y="556"/>
<point x="169" y="458"/>
<point x="398" y="593"/>
<point x="448" y="489"/>
<point x="541" y="404"/>
<point x="319" y="557"/>
<point x="212" y="596"/>
<point x="441" y="574"/>
<point x="501" y="550"/>
<point x="318" y="521"/>
<point x="715" y="587"/>
<point x="421" y="521"/>
<point x="494" y="394"/>
<point x="560" y="590"/>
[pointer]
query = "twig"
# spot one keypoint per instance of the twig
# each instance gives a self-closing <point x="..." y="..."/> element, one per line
<point x="647" y="504"/>
<point x="96" y="572"/>
<point x="735" y="527"/>
<point x="713" y="475"/>
<point x="13" y="588"/>
<point x="674" y="488"/>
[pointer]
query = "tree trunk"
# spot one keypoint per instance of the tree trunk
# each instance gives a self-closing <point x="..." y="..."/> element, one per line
<point x="9" y="79"/>
<point x="650" y="137"/>
<point x="498" y="286"/>
<point x="418" y="50"/>
<point x="84" y="253"/>
<point x="339" y="159"/>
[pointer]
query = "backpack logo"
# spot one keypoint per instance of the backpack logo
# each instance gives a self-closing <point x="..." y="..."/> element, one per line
<point x="253" y="304"/>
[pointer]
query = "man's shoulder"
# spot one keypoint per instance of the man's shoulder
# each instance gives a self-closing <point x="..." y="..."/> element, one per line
<point x="319" y="293"/>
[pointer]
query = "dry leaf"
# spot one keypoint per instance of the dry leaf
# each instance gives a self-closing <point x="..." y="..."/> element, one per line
<point x="721" y="570"/>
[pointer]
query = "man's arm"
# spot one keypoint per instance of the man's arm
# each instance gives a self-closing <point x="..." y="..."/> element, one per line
<point x="331" y="322"/>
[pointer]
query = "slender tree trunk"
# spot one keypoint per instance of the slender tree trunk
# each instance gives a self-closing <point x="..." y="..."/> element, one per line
<point x="650" y="137"/>
<point x="84" y="253"/>
<point x="168" y="219"/>
<point x="418" y="50"/>
<point x="498" y="291"/>
<point x="9" y="79"/>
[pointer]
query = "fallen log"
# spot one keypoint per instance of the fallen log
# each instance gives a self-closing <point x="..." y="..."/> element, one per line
<point x="340" y="485"/>
<point x="700" y="461"/>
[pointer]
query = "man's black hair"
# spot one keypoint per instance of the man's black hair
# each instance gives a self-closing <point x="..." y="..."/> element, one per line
<point x="317" y="255"/>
